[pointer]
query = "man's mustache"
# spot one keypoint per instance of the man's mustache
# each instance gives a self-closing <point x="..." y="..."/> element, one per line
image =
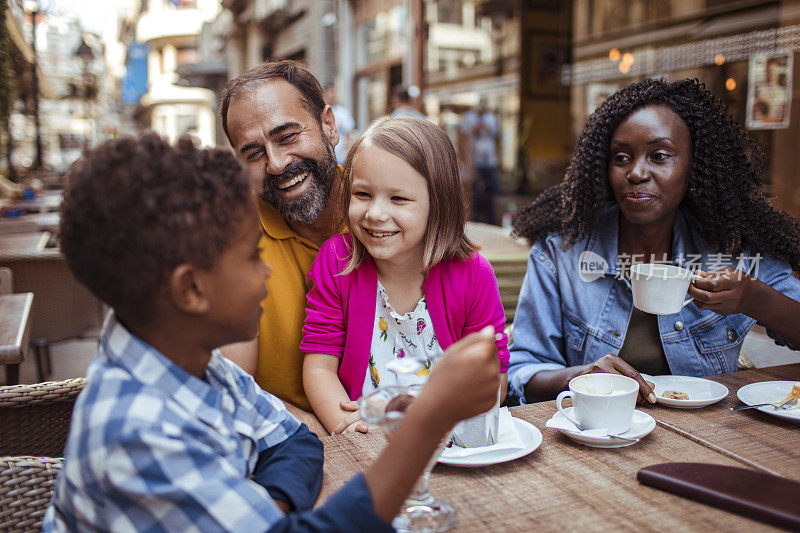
<point x="292" y="170"/>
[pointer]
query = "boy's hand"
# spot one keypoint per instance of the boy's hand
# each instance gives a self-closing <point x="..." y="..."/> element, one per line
<point x="465" y="380"/>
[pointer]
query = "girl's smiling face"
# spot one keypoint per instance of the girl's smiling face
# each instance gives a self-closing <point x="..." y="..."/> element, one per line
<point x="389" y="207"/>
<point x="649" y="164"/>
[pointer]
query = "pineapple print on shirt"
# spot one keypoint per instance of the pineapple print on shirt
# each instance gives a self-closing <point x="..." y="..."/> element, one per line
<point x="382" y="325"/>
<point x="373" y="374"/>
<point x="398" y="336"/>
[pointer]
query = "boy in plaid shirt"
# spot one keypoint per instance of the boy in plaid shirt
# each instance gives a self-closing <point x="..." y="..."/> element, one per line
<point x="168" y="435"/>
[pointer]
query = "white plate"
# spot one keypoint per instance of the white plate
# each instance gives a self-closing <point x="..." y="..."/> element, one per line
<point x="702" y="392"/>
<point x="641" y="426"/>
<point x="530" y="435"/>
<point x="769" y="391"/>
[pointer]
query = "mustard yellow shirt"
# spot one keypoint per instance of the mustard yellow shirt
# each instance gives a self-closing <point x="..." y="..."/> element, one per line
<point x="280" y="362"/>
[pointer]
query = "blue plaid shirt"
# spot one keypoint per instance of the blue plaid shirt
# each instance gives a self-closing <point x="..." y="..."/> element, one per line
<point x="153" y="448"/>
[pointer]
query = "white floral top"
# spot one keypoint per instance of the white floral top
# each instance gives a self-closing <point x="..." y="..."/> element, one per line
<point x="396" y="336"/>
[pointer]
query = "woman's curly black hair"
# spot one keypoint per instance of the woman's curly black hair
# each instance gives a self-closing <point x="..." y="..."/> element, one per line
<point x="724" y="193"/>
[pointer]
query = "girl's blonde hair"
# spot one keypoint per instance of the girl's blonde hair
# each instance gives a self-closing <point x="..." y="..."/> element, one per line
<point x="428" y="150"/>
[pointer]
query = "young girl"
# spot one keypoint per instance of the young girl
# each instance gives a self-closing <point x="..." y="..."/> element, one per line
<point x="404" y="283"/>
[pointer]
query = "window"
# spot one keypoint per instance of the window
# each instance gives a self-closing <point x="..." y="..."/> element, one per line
<point x="186" y="124"/>
<point x="186" y="55"/>
<point x="450" y="11"/>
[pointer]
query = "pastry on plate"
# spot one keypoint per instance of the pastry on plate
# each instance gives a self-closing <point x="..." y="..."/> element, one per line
<point x="795" y="394"/>
<point x="674" y="395"/>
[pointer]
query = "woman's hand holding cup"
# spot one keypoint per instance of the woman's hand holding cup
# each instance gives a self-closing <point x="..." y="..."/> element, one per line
<point x="613" y="364"/>
<point x="725" y="291"/>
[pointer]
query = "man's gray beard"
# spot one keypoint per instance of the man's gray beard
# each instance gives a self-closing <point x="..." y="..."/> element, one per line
<point x="307" y="208"/>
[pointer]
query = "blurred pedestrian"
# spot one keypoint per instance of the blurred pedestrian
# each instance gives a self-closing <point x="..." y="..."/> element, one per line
<point x="344" y="123"/>
<point x="402" y="104"/>
<point x="479" y="126"/>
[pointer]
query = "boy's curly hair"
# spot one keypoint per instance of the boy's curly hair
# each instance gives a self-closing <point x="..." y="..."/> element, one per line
<point x="724" y="193"/>
<point x="136" y="208"/>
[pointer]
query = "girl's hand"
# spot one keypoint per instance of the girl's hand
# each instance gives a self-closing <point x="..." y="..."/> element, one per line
<point x="725" y="291"/>
<point x="351" y="422"/>
<point x="356" y="427"/>
<point x="612" y="364"/>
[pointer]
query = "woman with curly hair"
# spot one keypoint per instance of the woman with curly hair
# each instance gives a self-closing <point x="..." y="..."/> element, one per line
<point x="660" y="173"/>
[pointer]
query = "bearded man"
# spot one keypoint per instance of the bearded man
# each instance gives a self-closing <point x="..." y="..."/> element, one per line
<point x="284" y="135"/>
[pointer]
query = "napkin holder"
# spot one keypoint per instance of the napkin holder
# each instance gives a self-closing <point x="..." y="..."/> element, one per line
<point x="765" y="497"/>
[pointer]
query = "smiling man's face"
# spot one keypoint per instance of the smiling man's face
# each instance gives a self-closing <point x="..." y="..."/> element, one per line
<point x="287" y="152"/>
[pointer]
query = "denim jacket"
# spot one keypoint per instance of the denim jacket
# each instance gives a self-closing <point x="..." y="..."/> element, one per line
<point x="574" y="306"/>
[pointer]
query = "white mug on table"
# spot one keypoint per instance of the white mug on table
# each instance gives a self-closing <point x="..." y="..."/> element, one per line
<point x="601" y="400"/>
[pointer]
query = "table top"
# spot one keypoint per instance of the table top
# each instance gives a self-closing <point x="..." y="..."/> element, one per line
<point x="496" y="242"/>
<point x="565" y="485"/>
<point x="760" y="440"/>
<point x="22" y="243"/>
<point x="15" y="318"/>
<point x="45" y="221"/>
<point x="43" y="202"/>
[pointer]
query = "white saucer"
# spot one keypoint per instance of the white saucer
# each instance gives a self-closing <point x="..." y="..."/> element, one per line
<point x="773" y="392"/>
<point x="528" y="433"/>
<point x="702" y="392"/>
<point x="641" y="426"/>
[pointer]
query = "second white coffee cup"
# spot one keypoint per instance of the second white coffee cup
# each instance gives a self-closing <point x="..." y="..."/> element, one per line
<point x="601" y="401"/>
<point x="660" y="289"/>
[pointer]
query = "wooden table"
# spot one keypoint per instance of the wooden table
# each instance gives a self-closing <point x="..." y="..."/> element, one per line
<point x="508" y="257"/>
<point x="567" y="486"/>
<point x="496" y="242"/>
<point x="44" y="202"/>
<point x="756" y="439"/>
<point x="15" y="320"/>
<point x="45" y="221"/>
<point x="21" y="243"/>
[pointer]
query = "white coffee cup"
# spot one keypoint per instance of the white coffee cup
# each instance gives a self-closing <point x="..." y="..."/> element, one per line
<point x="660" y="289"/>
<point x="601" y="401"/>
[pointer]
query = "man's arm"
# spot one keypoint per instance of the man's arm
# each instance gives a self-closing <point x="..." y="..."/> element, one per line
<point x="244" y="354"/>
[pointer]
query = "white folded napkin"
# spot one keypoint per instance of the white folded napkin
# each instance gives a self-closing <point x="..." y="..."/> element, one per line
<point x="507" y="439"/>
<point x="559" y="421"/>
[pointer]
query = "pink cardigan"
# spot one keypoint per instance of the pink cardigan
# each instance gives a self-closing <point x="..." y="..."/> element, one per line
<point x="462" y="298"/>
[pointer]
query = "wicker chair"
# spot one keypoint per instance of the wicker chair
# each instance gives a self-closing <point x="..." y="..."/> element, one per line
<point x="26" y="484"/>
<point x="35" y="418"/>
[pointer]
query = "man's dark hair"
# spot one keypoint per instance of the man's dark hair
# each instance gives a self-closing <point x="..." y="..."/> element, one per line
<point x="725" y="195"/>
<point x="136" y="208"/>
<point x="291" y="71"/>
